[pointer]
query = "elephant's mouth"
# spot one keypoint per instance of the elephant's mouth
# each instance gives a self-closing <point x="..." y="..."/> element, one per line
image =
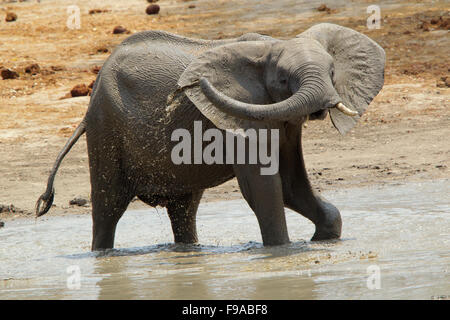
<point x="321" y="114"/>
<point x="318" y="115"/>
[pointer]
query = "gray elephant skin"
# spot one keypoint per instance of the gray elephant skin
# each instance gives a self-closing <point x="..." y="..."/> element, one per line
<point x="156" y="82"/>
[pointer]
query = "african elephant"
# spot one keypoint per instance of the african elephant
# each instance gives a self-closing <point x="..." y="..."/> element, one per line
<point x="156" y="82"/>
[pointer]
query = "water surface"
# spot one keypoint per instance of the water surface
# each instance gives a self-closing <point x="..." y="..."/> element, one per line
<point x="401" y="230"/>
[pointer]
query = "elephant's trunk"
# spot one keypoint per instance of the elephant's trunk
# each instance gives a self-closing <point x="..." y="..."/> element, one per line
<point x="313" y="93"/>
<point x="295" y="106"/>
<point x="308" y="98"/>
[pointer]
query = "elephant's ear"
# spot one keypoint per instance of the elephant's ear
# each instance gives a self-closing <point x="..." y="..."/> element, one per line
<point x="359" y="68"/>
<point x="234" y="69"/>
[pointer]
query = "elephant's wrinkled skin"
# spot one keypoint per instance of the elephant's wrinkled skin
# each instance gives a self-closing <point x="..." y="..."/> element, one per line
<point x="156" y="82"/>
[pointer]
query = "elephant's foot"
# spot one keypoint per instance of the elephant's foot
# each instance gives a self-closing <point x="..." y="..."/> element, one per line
<point x="330" y="227"/>
<point x="322" y="234"/>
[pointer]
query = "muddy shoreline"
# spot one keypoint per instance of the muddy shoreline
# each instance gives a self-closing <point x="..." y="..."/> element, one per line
<point x="402" y="137"/>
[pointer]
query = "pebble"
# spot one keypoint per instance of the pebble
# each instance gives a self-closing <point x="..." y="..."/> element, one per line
<point x="119" y="30"/>
<point x="152" y="9"/>
<point x="323" y="7"/>
<point x="78" y="201"/>
<point x="10" y="16"/>
<point x="33" y="69"/>
<point x="9" y="74"/>
<point x="79" y="90"/>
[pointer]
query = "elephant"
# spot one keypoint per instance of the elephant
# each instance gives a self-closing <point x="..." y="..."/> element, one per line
<point x="155" y="82"/>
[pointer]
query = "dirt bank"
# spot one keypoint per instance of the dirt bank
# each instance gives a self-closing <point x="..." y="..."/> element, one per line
<point x="402" y="137"/>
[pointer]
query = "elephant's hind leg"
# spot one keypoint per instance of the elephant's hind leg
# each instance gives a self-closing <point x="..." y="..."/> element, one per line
<point x="110" y="192"/>
<point x="182" y="212"/>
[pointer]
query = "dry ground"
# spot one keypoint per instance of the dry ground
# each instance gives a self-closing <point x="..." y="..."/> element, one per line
<point x="402" y="137"/>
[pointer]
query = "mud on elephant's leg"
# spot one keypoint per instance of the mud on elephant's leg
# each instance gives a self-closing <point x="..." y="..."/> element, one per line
<point x="109" y="201"/>
<point x="264" y="195"/>
<point x="105" y="219"/>
<point x="110" y="192"/>
<point x="182" y="212"/>
<point x="299" y="195"/>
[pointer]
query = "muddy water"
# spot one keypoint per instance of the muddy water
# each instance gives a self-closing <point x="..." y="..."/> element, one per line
<point x="402" y="231"/>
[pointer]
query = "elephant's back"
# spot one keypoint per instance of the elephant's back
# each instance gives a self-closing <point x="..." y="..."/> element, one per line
<point x="144" y="69"/>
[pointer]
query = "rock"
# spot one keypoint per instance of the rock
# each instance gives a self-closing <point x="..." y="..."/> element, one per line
<point x="11" y="209"/>
<point x="10" y="16"/>
<point x="102" y="49"/>
<point x="79" y="90"/>
<point x="152" y="9"/>
<point x="91" y="85"/>
<point x="191" y="6"/>
<point x="435" y="24"/>
<point x="33" y="69"/>
<point x="323" y="7"/>
<point x="119" y="30"/>
<point x="96" y="69"/>
<point x="2" y="224"/>
<point x="441" y="23"/>
<point x="78" y="202"/>
<point x="9" y="74"/>
<point x="444" y="82"/>
<point x="94" y="11"/>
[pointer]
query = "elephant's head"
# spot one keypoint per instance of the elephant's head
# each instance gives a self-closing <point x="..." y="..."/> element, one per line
<point x="326" y="68"/>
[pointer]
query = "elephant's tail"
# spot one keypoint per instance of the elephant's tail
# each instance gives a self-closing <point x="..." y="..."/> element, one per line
<point x="46" y="199"/>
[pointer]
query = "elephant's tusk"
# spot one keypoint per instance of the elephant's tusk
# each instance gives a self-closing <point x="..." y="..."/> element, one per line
<point x="342" y="108"/>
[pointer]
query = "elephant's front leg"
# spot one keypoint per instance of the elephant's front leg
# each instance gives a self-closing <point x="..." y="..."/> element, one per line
<point x="182" y="211"/>
<point x="264" y="194"/>
<point x="298" y="194"/>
